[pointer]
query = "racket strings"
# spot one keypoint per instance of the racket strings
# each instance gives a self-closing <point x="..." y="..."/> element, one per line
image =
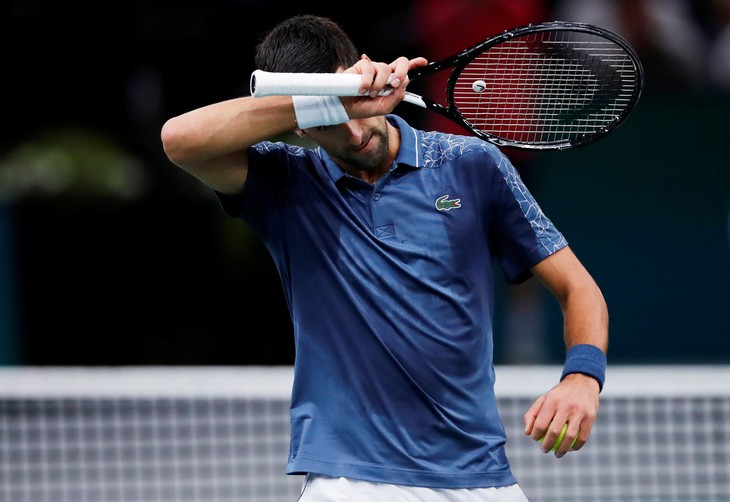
<point x="546" y="87"/>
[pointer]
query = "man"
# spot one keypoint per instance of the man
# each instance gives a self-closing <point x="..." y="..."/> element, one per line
<point x="384" y="237"/>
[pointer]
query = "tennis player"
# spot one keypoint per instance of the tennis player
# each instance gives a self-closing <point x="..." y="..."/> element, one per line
<point x="385" y="237"/>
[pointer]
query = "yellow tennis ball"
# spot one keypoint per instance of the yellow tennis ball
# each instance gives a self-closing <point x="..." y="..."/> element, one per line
<point x="560" y="439"/>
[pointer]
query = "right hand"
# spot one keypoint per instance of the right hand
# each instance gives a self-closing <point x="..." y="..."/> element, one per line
<point x="375" y="78"/>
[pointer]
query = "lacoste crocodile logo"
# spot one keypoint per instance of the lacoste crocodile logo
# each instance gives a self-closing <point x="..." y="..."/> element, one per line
<point x="444" y="204"/>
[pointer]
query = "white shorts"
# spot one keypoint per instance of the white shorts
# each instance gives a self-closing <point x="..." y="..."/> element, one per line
<point x="318" y="488"/>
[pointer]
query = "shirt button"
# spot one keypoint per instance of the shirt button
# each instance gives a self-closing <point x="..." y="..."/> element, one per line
<point x="377" y="196"/>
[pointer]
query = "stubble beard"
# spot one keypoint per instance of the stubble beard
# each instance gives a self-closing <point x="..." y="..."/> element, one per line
<point x="373" y="161"/>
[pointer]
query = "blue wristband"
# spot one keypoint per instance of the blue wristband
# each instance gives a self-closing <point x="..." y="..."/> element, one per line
<point x="586" y="359"/>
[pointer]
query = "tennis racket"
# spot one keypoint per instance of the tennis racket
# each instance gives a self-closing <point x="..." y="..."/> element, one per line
<point x="547" y="86"/>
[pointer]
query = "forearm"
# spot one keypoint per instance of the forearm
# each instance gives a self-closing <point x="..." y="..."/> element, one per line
<point x="585" y="317"/>
<point x="586" y="334"/>
<point x="194" y="138"/>
<point x="584" y="311"/>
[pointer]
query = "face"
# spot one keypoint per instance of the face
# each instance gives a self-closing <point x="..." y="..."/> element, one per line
<point x="358" y="146"/>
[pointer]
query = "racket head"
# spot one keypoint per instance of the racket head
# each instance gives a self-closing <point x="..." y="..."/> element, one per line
<point x="547" y="86"/>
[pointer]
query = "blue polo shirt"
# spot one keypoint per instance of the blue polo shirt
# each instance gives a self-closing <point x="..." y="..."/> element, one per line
<point x="390" y="290"/>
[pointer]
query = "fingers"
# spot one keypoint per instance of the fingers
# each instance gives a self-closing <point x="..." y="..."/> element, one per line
<point x="401" y="66"/>
<point x="570" y="405"/>
<point x="375" y="76"/>
<point x="417" y="63"/>
<point x="380" y="79"/>
<point x="532" y="414"/>
<point x="584" y="430"/>
<point x="545" y="424"/>
<point x="553" y="436"/>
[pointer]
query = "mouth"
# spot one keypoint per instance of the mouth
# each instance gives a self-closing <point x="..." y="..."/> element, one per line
<point x="364" y="145"/>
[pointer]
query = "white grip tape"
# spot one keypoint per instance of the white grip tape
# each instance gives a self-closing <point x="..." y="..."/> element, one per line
<point x="315" y="111"/>
<point x="265" y="83"/>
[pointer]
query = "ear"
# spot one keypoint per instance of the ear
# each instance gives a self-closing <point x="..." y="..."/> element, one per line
<point x="300" y="133"/>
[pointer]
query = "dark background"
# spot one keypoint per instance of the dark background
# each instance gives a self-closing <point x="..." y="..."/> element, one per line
<point x="109" y="255"/>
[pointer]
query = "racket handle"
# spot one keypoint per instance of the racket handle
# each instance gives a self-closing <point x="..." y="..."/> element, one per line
<point x="264" y="83"/>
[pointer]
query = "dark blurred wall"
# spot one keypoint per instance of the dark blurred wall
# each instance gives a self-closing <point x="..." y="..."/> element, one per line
<point x="148" y="270"/>
<point x="160" y="275"/>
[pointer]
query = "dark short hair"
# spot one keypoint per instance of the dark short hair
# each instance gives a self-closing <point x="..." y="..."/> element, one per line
<point x="306" y="43"/>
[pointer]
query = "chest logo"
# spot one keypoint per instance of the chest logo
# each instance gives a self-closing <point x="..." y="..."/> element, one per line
<point x="443" y="203"/>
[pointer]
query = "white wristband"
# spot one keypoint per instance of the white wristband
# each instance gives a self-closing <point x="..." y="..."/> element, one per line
<point x="315" y="111"/>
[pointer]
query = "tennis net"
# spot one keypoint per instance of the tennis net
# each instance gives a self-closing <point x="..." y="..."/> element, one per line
<point x="221" y="434"/>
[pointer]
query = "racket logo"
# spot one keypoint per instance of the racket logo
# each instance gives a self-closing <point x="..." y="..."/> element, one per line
<point x="444" y="204"/>
<point x="592" y="84"/>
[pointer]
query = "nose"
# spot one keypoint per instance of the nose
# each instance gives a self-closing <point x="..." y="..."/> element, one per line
<point x="354" y="132"/>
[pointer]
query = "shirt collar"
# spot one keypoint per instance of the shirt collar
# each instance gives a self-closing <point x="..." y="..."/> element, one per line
<point x="409" y="151"/>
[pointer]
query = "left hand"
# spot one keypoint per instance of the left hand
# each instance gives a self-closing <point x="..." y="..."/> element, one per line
<point x="573" y="401"/>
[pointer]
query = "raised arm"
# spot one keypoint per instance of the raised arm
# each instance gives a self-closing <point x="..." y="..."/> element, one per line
<point x="575" y="399"/>
<point x="210" y="142"/>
